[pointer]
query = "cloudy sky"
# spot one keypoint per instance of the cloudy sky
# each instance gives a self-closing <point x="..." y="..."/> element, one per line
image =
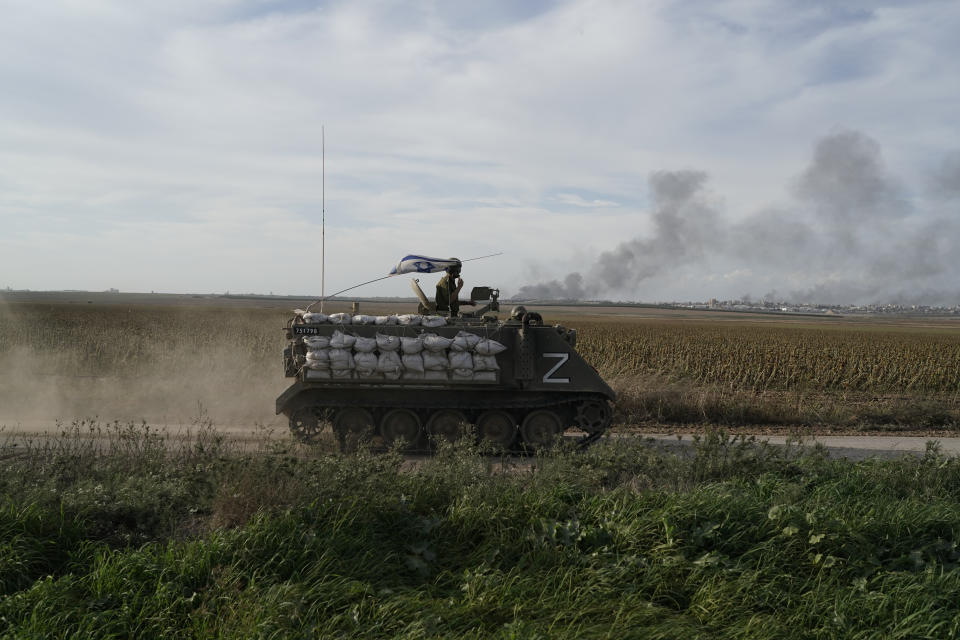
<point x="661" y="150"/>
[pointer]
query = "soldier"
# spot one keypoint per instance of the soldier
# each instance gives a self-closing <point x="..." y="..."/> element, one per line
<point x="447" y="291"/>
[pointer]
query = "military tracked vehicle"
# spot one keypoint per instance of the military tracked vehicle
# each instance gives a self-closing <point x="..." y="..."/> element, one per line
<point x="527" y="395"/>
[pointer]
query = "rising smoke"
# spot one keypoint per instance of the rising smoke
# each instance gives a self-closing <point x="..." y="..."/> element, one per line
<point x="848" y="235"/>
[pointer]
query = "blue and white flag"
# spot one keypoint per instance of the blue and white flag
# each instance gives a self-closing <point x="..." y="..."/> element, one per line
<point x="423" y="264"/>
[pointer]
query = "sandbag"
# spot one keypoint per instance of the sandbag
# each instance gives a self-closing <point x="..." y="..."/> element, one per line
<point x="340" y="318"/>
<point x="392" y="375"/>
<point x="382" y="320"/>
<point x="485" y="376"/>
<point x="365" y="345"/>
<point x="314" y="374"/>
<point x="387" y="343"/>
<point x="461" y="360"/>
<point x="412" y="362"/>
<point x="465" y="341"/>
<point x="435" y="375"/>
<point x="362" y="319"/>
<point x="435" y="343"/>
<point x="318" y="355"/>
<point x="461" y="374"/>
<point x="341" y="359"/>
<point x="412" y="345"/>
<point x="341" y="374"/>
<point x="487" y="347"/>
<point x="317" y="365"/>
<point x="365" y="361"/>
<point x="412" y="375"/>
<point x="409" y="319"/>
<point x="433" y="361"/>
<point x="389" y="362"/>
<point x="316" y="342"/>
<point x="433" y="321"/>
<point x="485" y="363"/>
<point x="341" y="340"/>
<point x="368" y="375"/>
<point x="315" y="318"/>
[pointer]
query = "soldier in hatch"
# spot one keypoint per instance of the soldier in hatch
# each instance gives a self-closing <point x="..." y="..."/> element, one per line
<point x="447" y="291"/>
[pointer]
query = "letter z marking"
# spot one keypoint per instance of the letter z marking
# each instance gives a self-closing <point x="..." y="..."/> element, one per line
<point x="547" y="377"/>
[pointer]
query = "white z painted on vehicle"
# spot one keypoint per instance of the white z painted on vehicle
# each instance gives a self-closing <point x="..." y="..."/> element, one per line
<point x="563" y="359"/>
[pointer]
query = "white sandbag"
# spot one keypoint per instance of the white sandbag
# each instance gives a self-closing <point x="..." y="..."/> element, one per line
<point x="433" y="342"/>
<point x="316" y="342"/>
<point x="341" y="374"/>
<point x="461" y="374"/>
<point x="409" y="319"/>
<point x="387" y="343"/>
<point x="488" y="347"/>
<point x="314" y="374"/>
<point x="340" y="340"/>
<point x="412" y="362"/>
<point x="412" y="375"/>
<point x="365" y="361"/>
<point x="365" y="345"/>
<point x="465" y="341"/>
<point x="319" y="355"/>
<point x="340" y="318"/>
<point x="435" y="361"/>
<point x="485" y="363"/>
<point x="368" y="375"/>
<point x="315" y="318"/>
<point x="412" y="345"/>
<point x="317" y="365"/>
<point x="362" y="319"/>
<point x="485" y="376"/>
<point x="461" y="360"/>
<point x="392" y="375"/>
<point x="382" y="320"/>
<point x="341" y="359"/>
<point x="433" y="321"/>
<point x="435" y="375"/>
<point x="389" y="362"/>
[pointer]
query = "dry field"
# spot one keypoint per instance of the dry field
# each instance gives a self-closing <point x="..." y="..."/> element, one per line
<point x="170" y="359"/>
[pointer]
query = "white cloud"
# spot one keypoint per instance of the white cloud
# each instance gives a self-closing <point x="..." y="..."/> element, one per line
<point x="450" y="128"/>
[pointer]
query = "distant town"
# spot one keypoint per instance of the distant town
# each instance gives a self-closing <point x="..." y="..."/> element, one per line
<point x="735" y="306"/>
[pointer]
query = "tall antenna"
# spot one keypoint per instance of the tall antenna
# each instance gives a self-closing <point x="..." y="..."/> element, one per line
<point x="323" y="215"/>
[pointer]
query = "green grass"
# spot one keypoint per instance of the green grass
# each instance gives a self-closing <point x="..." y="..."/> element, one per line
<point x="130" y="535"/>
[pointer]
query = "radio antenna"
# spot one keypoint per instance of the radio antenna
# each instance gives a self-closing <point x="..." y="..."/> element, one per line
<point x="323" y="214"/>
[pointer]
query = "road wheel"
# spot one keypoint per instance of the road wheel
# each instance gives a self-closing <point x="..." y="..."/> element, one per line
<point x="541" y="428"/>
<point x="497" y="427"/>
<point x="353" y="425"/>
<point x="447" y="424"/>
<point x="400" y="424"/>
<point x="594" y="416"/>
<point x="305" y="424"/>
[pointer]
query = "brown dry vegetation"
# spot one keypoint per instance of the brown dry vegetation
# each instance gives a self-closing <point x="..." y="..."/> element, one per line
<point x="165" y="363"/>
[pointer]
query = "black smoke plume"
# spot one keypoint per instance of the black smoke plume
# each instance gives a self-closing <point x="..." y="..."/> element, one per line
<point x="847" y="235"/>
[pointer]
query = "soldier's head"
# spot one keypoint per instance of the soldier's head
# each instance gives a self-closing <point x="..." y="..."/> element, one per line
<point x="453" y="270"/>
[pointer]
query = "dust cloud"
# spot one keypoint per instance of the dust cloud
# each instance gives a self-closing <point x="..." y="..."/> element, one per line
<point x="848" y="234"/>
<point x="160" y="381"/>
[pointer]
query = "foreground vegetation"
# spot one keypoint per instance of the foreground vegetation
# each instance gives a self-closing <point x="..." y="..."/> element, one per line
<point x="115" y="531"/>
<point x="135" y="361"/>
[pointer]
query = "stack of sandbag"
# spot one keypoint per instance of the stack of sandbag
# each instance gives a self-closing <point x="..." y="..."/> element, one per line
<point x="318" y="356"/>
<point x="428" y="356"/>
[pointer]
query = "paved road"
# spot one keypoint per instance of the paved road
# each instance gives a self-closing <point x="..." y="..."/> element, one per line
<point x="851" y="447"/>
<point x="855" y="447"/>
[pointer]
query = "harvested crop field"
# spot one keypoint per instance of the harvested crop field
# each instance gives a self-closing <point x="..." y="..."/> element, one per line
<point x="168" y="359"/>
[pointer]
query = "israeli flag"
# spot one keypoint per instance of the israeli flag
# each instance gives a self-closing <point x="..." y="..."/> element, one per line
<point x="423" y="264"/>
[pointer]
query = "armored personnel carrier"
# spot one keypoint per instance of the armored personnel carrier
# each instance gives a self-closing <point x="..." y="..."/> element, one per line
<point x="516" y="383"/>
